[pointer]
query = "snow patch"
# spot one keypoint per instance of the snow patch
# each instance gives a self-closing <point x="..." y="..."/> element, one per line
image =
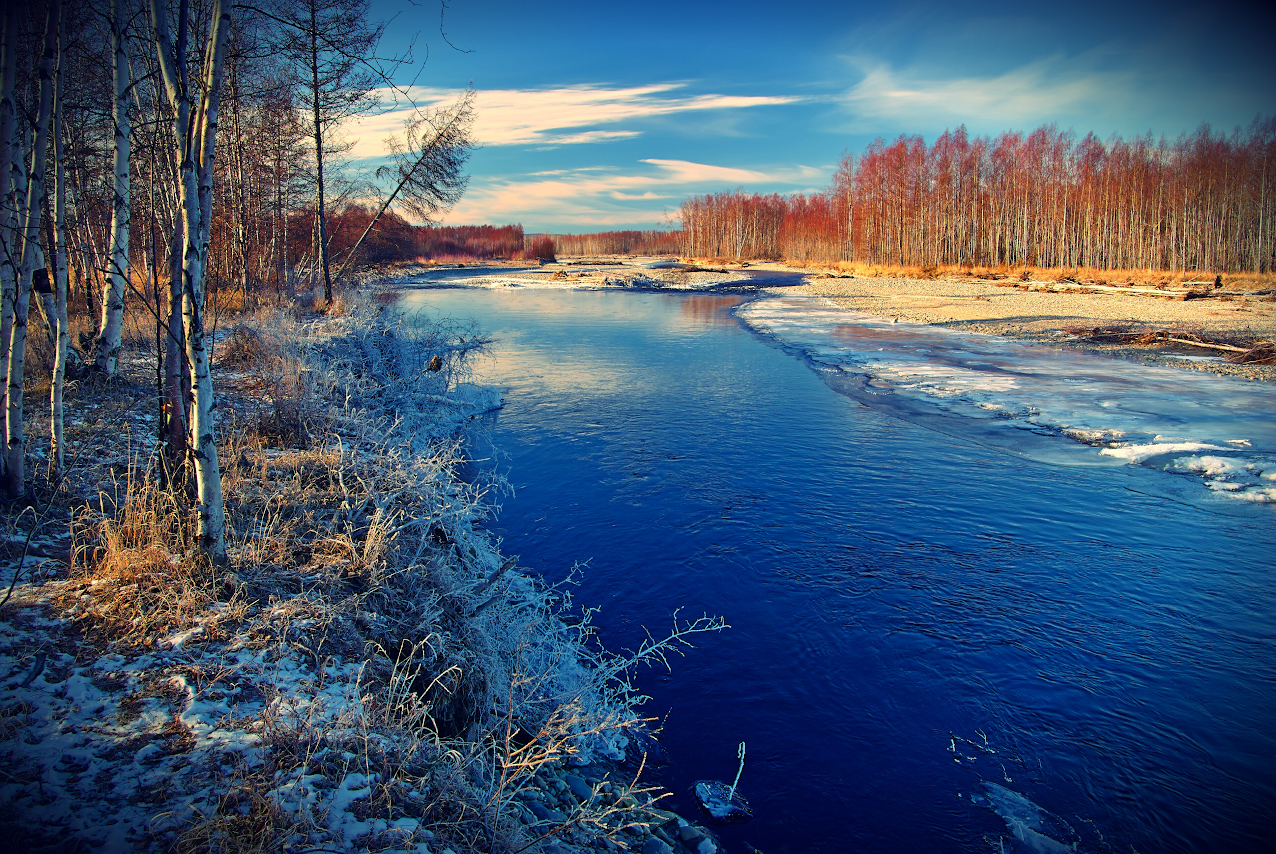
<point x="1130" y="412"/>
<point x="1141" y="453"/>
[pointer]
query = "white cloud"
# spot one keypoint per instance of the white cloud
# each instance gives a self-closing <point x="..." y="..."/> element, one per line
<point x="591" y="198"/>
<point x="1106" y="89"/>
<point x="685" y="172"/>
<point x="1046" y="90"/>
<point x="589" y="136"/>
<point x="539" y="116"/>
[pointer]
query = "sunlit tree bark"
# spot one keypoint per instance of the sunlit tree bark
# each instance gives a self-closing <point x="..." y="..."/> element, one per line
<point x="32" y="259"/>
<point x="195" y="136"/>
<point x="112" y="323"/>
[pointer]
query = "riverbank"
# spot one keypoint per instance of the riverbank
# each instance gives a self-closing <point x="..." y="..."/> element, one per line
<point x="369" y="673"/>
<point x="1067" y="318"/>
<point x="1124" y="323"/>
<point x="593" y="272"/>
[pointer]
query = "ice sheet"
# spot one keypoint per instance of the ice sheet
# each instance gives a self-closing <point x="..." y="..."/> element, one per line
<point x="1220" y="429"/>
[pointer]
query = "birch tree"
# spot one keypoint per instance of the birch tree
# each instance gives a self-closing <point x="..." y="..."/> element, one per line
<point x="112" y="323"/>
<point x="331" y="47"/>
<point x="428" y="163"/>
<point x="194" y="138"/>
<point x="60" y="265"/>
<point x="32" y="258"/>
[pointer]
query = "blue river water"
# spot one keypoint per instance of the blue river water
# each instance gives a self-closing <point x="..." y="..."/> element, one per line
<point x="939" y="641"/>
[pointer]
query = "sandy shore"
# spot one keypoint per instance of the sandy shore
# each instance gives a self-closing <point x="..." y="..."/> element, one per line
<point x="998" y="308"/>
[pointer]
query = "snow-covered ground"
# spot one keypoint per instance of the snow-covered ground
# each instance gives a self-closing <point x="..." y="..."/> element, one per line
<point x="634" y="274"/>
<point x="369" y="674"/>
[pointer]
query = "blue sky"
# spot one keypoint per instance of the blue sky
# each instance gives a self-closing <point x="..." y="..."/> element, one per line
<point x="599" y="116"/>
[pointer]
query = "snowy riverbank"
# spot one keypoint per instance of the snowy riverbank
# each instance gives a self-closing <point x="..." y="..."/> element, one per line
<point x="606" y="272"/>
<point x="1105" y="321"/>
<point x="370" y="673"/>
<point x="1066" y="317"/>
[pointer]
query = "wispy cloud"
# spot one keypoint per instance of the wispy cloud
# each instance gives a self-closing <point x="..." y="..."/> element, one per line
<point x="1041" y="91"/>
<point x="1105" y="89"/>
<point x="560" y="116"/>
<point x="684" y="172"/>
<point x="589" y="198"/>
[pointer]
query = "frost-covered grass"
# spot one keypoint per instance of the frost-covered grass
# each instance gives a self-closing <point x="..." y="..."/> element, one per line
<point x="368" y="673"/>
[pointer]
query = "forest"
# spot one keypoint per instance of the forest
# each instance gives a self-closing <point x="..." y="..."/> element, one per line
<point x="163" y="156"/>
<point x="1044" y="199"/>
<point x="250" y="602"/>
<point x="648" y="242"/>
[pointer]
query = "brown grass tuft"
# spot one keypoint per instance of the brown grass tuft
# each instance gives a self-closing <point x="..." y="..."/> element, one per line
<point x="139" y="560"/>
<point x="247" y="820"/>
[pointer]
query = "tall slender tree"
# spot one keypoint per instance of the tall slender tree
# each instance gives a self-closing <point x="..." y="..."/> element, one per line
<point x="331" y="46"/>
<point x="427" y="162"/>
<point x="32" y="258"/>
<point x="60" y="264"/>
<point x="110" y="329"/>
<point x="10" y="242"/>
<point x="195" y="112"/>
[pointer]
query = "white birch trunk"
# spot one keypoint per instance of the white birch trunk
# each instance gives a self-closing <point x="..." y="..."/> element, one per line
<point x="9" y="238"/>
<point x="112" y="323"/>
<point x="60" y="275"/>
<point x="195" y="144"/>
<point x="31" y="255"/>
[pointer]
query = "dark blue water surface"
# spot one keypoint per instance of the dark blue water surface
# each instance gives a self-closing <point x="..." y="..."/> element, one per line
<point x="896" y="595"/>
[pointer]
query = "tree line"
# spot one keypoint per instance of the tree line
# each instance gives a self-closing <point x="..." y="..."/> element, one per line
<point x="649" y="242"/>
<point x="1204" y="201"/>
<point x="160" y="150"/>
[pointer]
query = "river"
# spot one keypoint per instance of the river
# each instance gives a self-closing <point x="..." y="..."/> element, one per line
<point x="953" y="626"/>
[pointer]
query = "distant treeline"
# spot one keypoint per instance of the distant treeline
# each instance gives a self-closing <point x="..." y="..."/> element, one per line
<point x="475" y="241"/>
<point x="1201" y="202"/>
<point x="619" y="243"/>
<point x="395" y="239"/>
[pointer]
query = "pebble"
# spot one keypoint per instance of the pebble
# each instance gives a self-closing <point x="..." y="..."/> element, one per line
<point x="578" y="787"/>
<point x="691" y="835"/>
<point x="978" y="306"/>
<point x="655" y="845"/>
<point x="545" y="813"/>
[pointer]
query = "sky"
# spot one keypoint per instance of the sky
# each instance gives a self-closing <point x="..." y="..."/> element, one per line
<point x="595" y="116"/>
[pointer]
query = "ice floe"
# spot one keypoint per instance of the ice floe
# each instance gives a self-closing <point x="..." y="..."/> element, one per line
<point x="1221" y="429"/>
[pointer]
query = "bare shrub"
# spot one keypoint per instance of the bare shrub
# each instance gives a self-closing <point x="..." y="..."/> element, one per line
<point x="270" y="351"/>
<point x="243" y="346"/>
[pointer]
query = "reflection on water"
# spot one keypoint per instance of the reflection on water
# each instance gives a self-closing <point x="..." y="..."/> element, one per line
<point x="710" y="310"/>
<point x="917" y="617"/>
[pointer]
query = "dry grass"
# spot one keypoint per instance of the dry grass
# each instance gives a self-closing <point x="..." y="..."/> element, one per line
<point x="230" y="301"/>
<point x="248" y="818"/>
<point x="137" y="574"/>
<point x="261" y="353"/>
<point x="1081" y="275"/>
<point x="359" y="544"/>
